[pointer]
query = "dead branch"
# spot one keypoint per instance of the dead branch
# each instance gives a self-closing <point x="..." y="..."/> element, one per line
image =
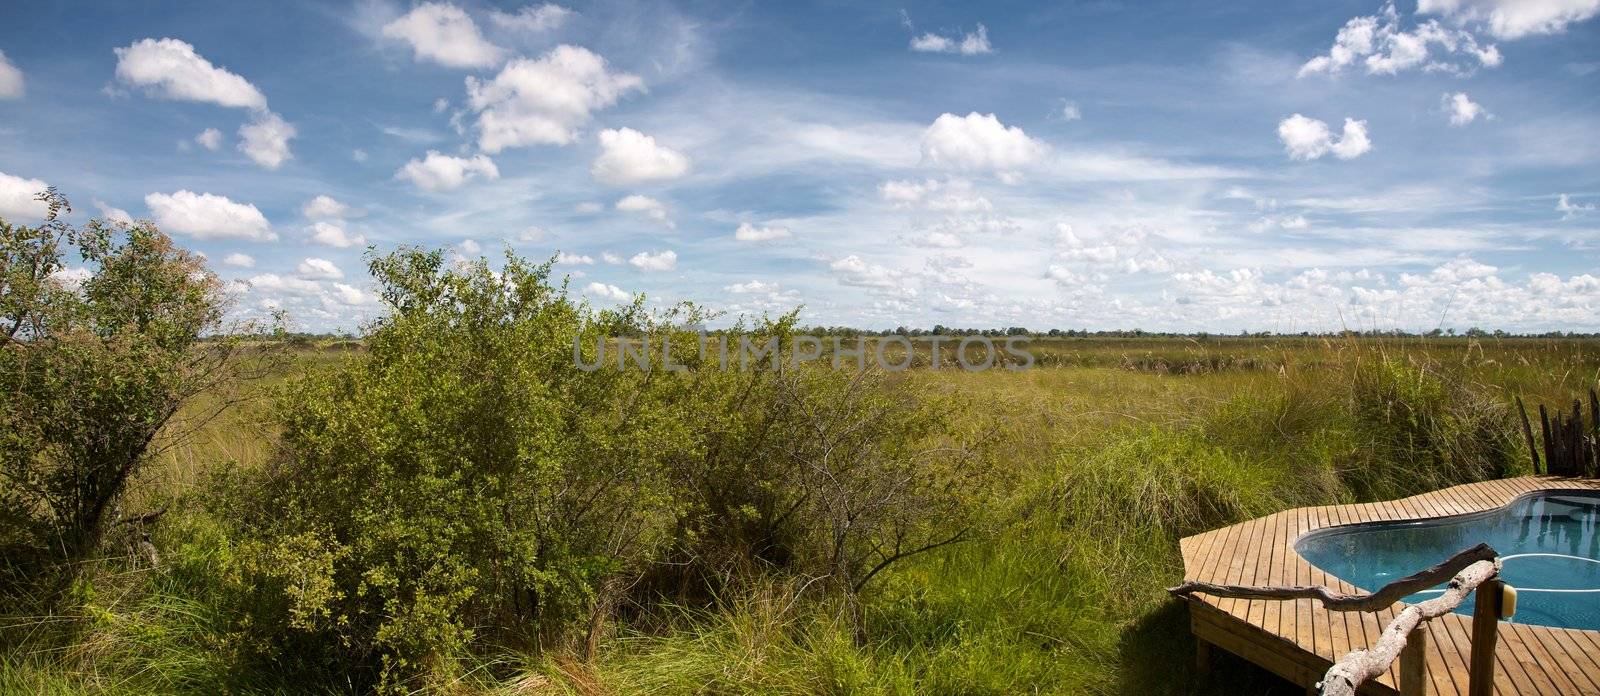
<point x="145" y="518"/>
<point x="1335" y="601"/>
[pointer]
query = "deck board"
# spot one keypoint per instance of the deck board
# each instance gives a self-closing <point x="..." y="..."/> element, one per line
<point x="1300" y="639"/>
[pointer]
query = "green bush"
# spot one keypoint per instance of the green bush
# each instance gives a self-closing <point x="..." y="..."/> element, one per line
<point x="462" y="481"/>
<point x="462" y="484"/>
<point x="92" y="375"/>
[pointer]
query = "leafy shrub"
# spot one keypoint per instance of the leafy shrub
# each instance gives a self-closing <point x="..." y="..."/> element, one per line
<point x="92" y="372"/>
<point x="462" y="478"/>
<point x="463" y="484"/>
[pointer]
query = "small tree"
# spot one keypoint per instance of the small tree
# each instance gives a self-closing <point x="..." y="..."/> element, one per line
<point x="462" y="483"/>
<point x="94" y="364"/>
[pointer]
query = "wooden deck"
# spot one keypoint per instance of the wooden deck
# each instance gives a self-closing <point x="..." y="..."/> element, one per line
<point x="1299" y="640"/>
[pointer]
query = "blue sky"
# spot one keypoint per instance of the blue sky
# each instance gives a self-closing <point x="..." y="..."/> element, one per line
<point x="1181" y="166"/>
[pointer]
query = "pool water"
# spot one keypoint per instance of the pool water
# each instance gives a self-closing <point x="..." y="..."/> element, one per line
<point x="1549" y="545"/>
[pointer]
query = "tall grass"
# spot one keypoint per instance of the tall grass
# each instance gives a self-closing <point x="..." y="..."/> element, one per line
<point x="1104" y="460"/>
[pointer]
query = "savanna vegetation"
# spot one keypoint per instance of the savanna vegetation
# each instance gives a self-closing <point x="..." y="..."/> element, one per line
<point x="447" y="505"/>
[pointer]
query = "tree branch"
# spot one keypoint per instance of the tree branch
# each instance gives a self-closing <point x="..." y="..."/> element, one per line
<point x="959" y="536"/>
<point x="1384" y="597"/>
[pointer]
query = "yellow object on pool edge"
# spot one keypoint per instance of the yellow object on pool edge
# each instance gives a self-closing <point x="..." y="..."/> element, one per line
<point x="1508" y="601"/>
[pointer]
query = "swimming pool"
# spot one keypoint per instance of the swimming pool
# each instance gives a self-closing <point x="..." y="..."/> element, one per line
<point x="1548" y="541"/>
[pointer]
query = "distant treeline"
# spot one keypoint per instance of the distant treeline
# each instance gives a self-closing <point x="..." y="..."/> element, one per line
<point x="940" y="330"/>
<point x="306" y="338"/>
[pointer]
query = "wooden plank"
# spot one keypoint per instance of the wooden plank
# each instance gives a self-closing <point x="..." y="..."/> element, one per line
<point x="1581" y="648"/>
<point x="1198" y="555"/>
<point x="1247" y="570"/>
<point x="1271" y="567"/>
<point x="1514" y="646"/>
<point x="1321" y="621"/>
<point x="1304" y="634"/>
<point x="1231" y="572"/>
<point x="1548" y="654"/>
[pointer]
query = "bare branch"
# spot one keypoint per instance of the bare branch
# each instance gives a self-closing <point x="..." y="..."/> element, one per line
<point x="1384" y="597"/>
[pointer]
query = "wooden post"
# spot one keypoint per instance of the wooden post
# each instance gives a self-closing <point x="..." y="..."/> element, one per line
<point x="1594" y="429"/>
<point x="1551" y="466"/>
<point x="1580" y="467"/>
<point x="1527" y="434"/>
<point x="1414" y="663"/>
<point x="1485" y="625"/>
<point x="1202" y="656"/>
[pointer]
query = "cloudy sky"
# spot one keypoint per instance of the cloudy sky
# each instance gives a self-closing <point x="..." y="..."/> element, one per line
<point x="1162" y="165"/>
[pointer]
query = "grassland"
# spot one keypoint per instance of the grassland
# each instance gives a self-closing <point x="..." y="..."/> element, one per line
<point x="1106" y="453"/>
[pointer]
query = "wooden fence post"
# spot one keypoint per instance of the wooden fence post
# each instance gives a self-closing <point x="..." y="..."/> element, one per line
<point x="1485" y="625"/>
<point x="1527" y="434"/>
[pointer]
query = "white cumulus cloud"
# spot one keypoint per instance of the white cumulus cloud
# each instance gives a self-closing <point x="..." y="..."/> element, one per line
<point x="16" y="198"/>
<point x="208" y="216"/>
<point x="750" y="233"/>
<point x="319" y="269"/>
<point x="238" y="260"/>
<point x="353" y="296"/>
<point x="1570" y="210"/>
<point x="1462" y="109"/>
<point x="325" y="207"/>
<point x="978" y="142"/>
<point x="755" y="287"/>
<point x="1308" y="138"/>
<point x="291" y="285"/>
<point x="210" y="139"/>
<point x="544" y="101"/>
<point x="112" y="213"/>
<point x="1380" y="44"/>
<point x="646" y="206"/>
<point x="1514" y="19"/>
<point x="438" y="172"/>
<point x="972" y="43"/>
<point x="170" y="68"/>
<point x="71" y="278"/>
<point x="532" y="18"/>
<point x="266" y="139"/>
<point x="659" y="261"/>
<point x="329" y="234"/>
<point x="443" y="33"/>
<point x="949" y="196"/>
<point x="853" y="270"/>
<point x="607" y="292"/>
<point x="629" y="157"/>
<point x="12" y="84"/>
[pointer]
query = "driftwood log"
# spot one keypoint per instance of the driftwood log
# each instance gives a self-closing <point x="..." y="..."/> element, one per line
<point x="1382" y="599"/>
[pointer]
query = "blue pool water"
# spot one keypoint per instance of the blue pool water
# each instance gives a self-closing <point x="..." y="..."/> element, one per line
<point x="1549" y="543"/>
